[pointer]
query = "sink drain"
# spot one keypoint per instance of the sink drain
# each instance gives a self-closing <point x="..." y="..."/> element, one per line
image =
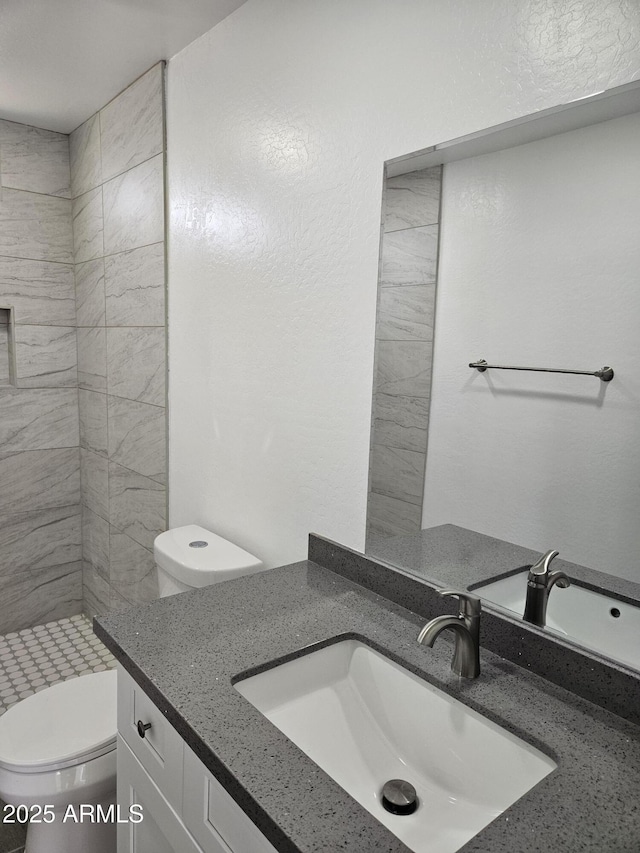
<point x="399" y="797"/>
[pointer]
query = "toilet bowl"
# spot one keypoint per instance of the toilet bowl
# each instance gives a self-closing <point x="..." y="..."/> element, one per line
<point x="58" y="747"/>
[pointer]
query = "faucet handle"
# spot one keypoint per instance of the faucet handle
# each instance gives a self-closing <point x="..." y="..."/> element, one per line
<point x="470" y="604"/>
<point x="541" y="566"/>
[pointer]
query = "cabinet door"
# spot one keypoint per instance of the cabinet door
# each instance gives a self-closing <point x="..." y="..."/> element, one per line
<point x="160" y="830"/>
<point x="213" y="816"/>
<point x="158" y="746"/>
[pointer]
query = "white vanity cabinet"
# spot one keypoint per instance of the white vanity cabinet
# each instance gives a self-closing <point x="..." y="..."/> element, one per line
<point x="185" y="809"/>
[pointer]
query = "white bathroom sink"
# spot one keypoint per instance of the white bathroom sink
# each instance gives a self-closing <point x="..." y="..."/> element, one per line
<point x="593" y="619"/>
<point x="366" y="720"/>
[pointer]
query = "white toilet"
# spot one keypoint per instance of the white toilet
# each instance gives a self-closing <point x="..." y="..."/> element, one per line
<point x="58" y="747"/>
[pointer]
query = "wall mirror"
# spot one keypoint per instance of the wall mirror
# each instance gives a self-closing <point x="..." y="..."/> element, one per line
<point x="519" y="245"/>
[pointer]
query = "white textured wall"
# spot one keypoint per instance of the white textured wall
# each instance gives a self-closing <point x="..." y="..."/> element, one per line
<point x="279" y="120"/>
<point x="539" y="265"/>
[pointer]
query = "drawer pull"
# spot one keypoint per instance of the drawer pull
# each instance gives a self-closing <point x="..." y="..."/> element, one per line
<point x="142" y="727"/>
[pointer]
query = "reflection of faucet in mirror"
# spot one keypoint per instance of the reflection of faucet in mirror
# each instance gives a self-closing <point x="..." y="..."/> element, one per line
<point x="466" y="657"/>
<point x="539" y="584"/>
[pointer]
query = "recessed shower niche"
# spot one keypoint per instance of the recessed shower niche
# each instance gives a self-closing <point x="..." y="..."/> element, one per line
<point x="7" y="347"/>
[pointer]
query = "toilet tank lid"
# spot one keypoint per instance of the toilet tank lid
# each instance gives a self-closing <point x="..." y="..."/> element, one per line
<point x="72" y="720"/>
<point x="198" y="557"/>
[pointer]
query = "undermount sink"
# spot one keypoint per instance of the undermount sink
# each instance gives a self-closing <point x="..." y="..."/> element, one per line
<point x="595" y="620"/>
<point x="365" y="720"/>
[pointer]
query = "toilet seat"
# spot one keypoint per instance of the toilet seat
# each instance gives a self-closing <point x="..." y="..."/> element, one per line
<point x="67" y="724"/>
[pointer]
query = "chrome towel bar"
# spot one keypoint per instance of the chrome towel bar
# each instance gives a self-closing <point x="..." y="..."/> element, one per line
<point x="605" y="373"/>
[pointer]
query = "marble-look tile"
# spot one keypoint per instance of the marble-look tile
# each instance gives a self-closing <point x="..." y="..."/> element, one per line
<point x="413" y="199"/>
<point x="119" y="602"/>
<point x="133" y="569"/>
<point x="40" y="292"/>
<point x="6" y="378"/>
<point x="93" y="421"/>
<point x="391" y="517"/>
<point x="46" y="356"/>
<point x="94" y="477"/>
<point x="38" y="419"/>
<point x="34" y="598"/>
<point x="92" y="359"/>
<point x="134" y="207"/>
<point x="88" y="226"/>
<point x="137" y="505"/>
<point x="84" y="154"/>
<point x="90" y="299"/>
<point x="34" y="540"/>
<point x="95" y="542"/>
<point x="136" y="364"/>
<point x="39" y="479"/>
<point x="401" y="422"/>
<point x="137" y="437"/>
<point x="410" y="257"/>
<point x="406" y="313"/>
<point x="96" y="592"/>
<point x="34" y="159"/>
<point x="135" y="287"/>
<point x="131" y="125"/>
<point x="35" y="226"/>
<point x="397" y="473"/>
<point x="404" y="367"/>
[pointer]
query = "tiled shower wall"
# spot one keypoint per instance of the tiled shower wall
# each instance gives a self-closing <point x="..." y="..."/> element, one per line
<point x="40" y="550"/>
<point x="404" y="352"/>
<point x="117" y="183"/>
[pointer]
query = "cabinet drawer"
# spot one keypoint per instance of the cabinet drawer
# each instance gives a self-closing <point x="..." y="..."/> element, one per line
<point x="160" y="751"/>
<point x="212" y="814"/>
<point x="160" y="830"/>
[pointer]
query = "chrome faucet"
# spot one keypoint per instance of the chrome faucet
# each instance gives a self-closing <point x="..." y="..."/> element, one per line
<point x="540" y="581"/>
<point x="466" y="656"/>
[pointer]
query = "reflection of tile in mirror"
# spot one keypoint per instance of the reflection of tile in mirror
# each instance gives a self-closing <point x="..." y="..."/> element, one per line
<point x="404" y="367"/>
<point x="409" y="256"/>
<point x="401" y="421"/>
<point x="406" y="313"/>
<point x="397" y="473"/>
<point x="413" y="199"/>
<point x="392" y="517"/>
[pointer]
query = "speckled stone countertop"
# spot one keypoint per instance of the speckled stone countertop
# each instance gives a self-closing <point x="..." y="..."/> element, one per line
<point x="186" y="650"/>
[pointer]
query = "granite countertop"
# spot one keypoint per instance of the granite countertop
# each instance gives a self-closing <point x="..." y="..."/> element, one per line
<point x="185" y="650"/>
<point x="451" y="555"/>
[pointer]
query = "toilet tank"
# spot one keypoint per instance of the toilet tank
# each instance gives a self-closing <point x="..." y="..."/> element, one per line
<point x="189" y="557"/>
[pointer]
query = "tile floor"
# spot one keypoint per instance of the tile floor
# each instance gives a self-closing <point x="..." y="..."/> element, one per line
<point x="35" y="658"/>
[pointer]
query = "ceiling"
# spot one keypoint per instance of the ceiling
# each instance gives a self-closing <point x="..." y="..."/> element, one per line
<point x="62" y="60"/>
